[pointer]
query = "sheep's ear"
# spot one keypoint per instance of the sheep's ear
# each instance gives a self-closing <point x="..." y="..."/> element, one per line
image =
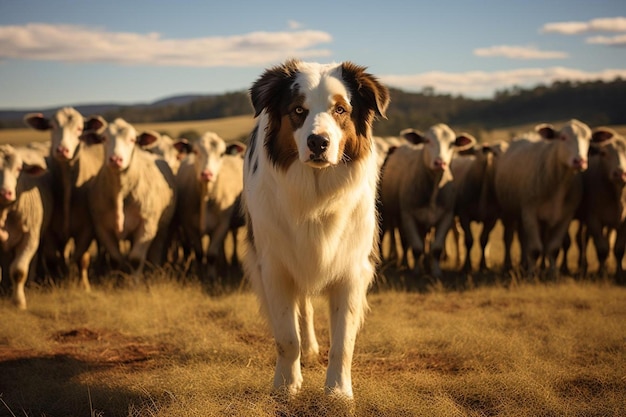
<point x="148" y="138"/>
<point x="602" y="136"/>
<point x="93" y="130"/>
<point x="464" y="141"/>
<point x="33" y="163"/>
<point x="35" y="170"/>
<point x="183" y="146"/>
<point x="235" y="148"/>
<point x="91" y="137"/>
<point x="37" y="121"/>
<point x="95" y="123"/>
<point x="413" y="136"/>
<point x="546" y="131"/>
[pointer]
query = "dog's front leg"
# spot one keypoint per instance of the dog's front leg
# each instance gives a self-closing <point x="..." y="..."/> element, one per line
<point x="309" y="347"/>
<point x="283" y="312"/>
<point x="347" y="307"/>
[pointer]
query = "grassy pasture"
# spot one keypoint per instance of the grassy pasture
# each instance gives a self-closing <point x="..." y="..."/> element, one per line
<point x="229" y="128"/>
<point x="481" y="346"/>
<point x="232" y="128"/>
<point x="486" y="345"/>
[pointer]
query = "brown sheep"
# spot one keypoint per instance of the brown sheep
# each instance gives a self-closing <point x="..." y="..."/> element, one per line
<point x="538" y="185"/>
<point x="417" y="192"/>
<point x="473" y="170"/>
<point x="603" y="208"/>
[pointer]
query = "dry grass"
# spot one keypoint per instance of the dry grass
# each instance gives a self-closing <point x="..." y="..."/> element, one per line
<point x="172" y="349"/>
<point x="486" y="346"/>
<point x="236" y="128"/>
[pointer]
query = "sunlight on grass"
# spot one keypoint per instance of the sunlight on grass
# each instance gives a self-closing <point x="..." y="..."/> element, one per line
<point x="170" y="349"/>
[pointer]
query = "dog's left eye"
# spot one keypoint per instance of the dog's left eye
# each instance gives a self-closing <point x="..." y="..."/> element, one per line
<point x="340" y="110"/>
<point x="298" y="110"/>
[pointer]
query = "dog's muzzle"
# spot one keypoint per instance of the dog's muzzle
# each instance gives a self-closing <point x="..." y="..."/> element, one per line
<point x="318" y="145"/>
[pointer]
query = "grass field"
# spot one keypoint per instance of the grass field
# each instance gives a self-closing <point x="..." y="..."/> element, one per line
<point x="229" y="128"/>
<point x="493" y="345"/>
<point x="236" y="128"/>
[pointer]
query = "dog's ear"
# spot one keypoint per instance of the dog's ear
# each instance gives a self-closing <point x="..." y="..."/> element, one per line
<point x="269" y="89"/>
<point x="369" y="96"/>
<point x="366" y="88"/>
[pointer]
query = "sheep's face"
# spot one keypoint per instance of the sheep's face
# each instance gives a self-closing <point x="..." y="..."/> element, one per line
<point x="10" y="169"/>
<point x="574" y="138"/>
<point x="66" y="126"/>
<point x="119" y="142"/>
<point x="439" y="147"/>
<point x="209" y="151"/>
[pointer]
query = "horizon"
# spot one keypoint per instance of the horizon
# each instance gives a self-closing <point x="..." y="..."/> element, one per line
<point x="143" y="52"/>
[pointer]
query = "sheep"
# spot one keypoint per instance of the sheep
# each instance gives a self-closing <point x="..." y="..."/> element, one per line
<point x="538" y="185"/>
<point x="416" y="190"/>
<point x="73" y="165"/>
<point x="473" y="170"/>
<point x="132" y="197"/>
<point x="386" y="144"/>
<point x="209" y="184"/>
<point x="384" y="147"/>
<point x="165" y="147"/>
<point x="25" y="213"/>
<point x="603" y="206"/>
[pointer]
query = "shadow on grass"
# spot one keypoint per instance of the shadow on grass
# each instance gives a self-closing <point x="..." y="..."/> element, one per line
<point x="51" y="386"/>
<point x="401" y="278"/>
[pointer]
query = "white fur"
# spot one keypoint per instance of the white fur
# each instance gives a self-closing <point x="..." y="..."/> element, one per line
<point x="313" y="229"/>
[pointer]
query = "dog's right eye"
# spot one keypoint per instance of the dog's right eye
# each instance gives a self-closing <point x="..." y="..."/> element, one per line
<point x="299" y="110"/>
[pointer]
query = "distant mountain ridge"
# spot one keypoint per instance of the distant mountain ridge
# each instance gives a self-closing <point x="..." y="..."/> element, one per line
<point x="11" y="115"/>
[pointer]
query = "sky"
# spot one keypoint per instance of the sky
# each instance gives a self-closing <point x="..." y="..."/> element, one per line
<point x="66" y="52"/>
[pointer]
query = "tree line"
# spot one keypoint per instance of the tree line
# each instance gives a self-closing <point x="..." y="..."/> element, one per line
<point x="594" y="102"/>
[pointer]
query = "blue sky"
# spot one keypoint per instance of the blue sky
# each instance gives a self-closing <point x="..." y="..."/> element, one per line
<point x="62" y="52"/>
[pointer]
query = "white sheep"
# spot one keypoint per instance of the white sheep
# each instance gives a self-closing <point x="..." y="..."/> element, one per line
<point x="25" y="213"/>
<point x="209" y="184"/>
<point x="73" y="165"/>
<point x="165" y="147"/>
<point x="133" y="196"/>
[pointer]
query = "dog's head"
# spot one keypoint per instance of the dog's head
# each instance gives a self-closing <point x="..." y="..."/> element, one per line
<point x="318" y="114"/>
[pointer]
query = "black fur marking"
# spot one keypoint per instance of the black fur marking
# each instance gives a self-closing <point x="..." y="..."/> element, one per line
<point x="274" y="92"/>
<point x="252" y="142"/>
<point x="249" y="232"/>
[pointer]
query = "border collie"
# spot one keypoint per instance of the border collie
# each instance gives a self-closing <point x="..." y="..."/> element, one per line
<point x="310" y="182"/>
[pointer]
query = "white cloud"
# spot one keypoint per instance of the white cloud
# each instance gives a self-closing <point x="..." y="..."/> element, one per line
<point x="619" y="40"/>
<point x="608" y="24"/>
<point x="293" y="24"/>
<point x="484" y="83"/>
<point x="71" y="43"/>
<point x="518" y="52"/>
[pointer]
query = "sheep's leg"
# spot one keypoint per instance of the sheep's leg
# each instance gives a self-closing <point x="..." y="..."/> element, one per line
<point x="18" y="271"/>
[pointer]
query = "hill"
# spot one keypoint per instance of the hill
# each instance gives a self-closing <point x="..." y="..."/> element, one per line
<point x="594" y="102"/>
<point x="12" y="118"/>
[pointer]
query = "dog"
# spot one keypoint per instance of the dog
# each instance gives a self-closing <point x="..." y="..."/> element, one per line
<point x="310" y="178"/>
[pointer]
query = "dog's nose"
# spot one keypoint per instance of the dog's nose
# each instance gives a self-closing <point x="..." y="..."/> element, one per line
<point x="317" y="144"/>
